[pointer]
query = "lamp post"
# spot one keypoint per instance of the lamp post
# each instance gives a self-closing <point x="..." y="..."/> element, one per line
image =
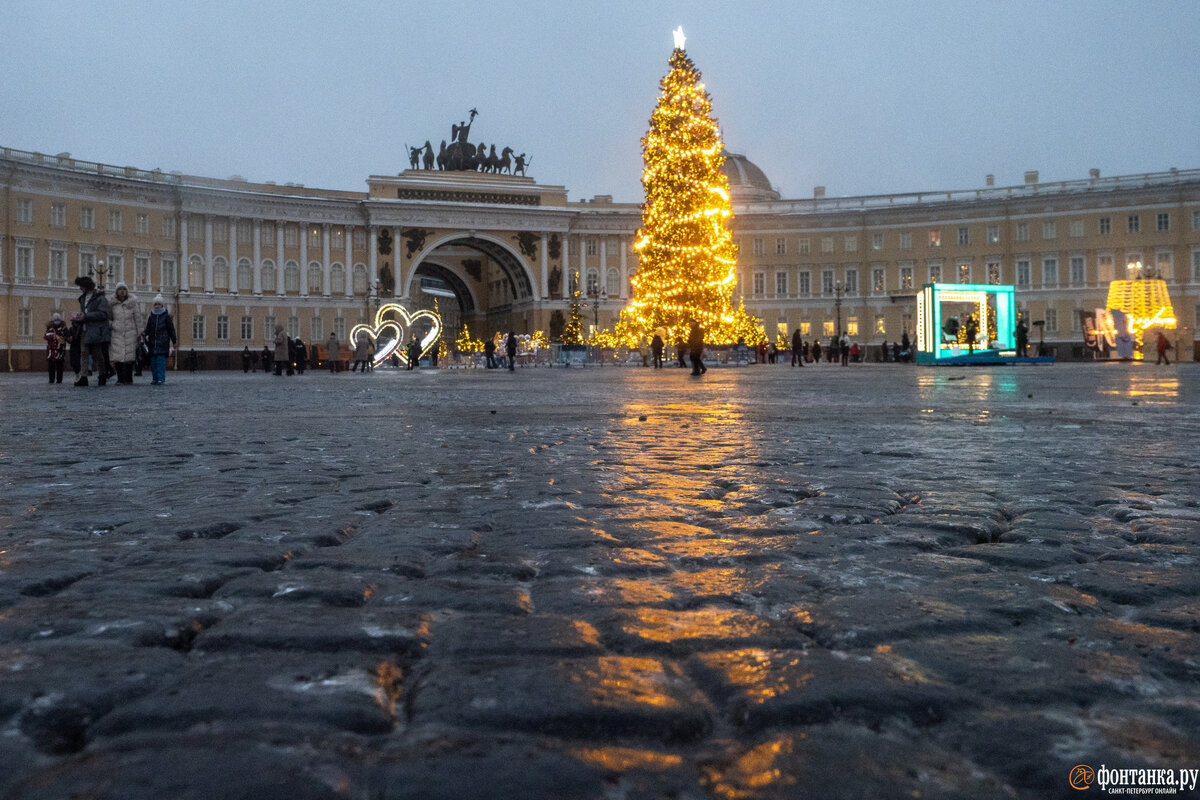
<point x="837" y="305"/>
<point x="101" y="271"/>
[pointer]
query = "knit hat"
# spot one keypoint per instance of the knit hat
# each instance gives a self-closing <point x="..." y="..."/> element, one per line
<point x="56" y="317"/>
<point x="121" y="285"/>
<point x="158" y="300"/>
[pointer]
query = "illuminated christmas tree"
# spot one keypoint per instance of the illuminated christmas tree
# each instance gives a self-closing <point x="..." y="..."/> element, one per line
<point x="573" y="330"/>
<point x="687" y="259"/>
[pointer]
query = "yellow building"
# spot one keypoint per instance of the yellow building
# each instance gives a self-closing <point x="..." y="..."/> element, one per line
<point x="500" y="252"/>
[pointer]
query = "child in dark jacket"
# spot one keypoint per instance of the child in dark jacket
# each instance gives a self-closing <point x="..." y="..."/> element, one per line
<point x="160" y="338"/>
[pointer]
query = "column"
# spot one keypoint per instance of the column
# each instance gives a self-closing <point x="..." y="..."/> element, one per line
<point x="566" y="266"/>
<point x="624" y="267"/>
<point x="303" y="260"/>
<point x="183" y="253"/>
<point x="348" y="232"/>
<point x="325" y="276"/>
<point x="279" y="285"/>
<point x="397" y="270"/>
<point x="545" y="287"/>
<point x="208" y="254"/>
<point x="582" y="264"/>
<point x="257" y="256"/>
<point x="602" y="283"/>
<point x="372" y="257"/>
<point x="233" y="259"/>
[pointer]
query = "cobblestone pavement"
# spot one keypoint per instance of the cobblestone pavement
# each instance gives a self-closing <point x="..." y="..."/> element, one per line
<point x="873" y="581"/>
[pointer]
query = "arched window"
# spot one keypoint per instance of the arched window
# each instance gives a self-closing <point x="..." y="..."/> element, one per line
<point x="220" y="275"/>
<point x="337" y="280"/>
<point x="268" y="277"/>
<point x="196" y="273"/>
<point x="360" y="279"/>
<point x="245" y="280"/>
<point x="316" y="277"/>
<point x="291" y="278"/>
<point x="593" y="282"/>
<point x="612" y="282"/>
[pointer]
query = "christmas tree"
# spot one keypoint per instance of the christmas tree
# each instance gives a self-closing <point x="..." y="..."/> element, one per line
<point x="687" y="259"/>
<point x="573" y="330"/>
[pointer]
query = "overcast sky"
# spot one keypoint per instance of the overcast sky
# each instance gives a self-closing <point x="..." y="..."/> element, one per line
<point x="861" y="97"/>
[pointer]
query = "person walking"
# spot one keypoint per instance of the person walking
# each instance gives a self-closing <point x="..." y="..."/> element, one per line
<point x="510" y="349"/>
<point x="247" y="359"/>
<point x="75" y="345"/>
<point x="696" y="348"/>
<point x="127" y="325"/>
<point x="362" y="352"/>
<point x="282" y="354"/>
<point x="159" y="335"/>
<point x="1022" y="337"/>
<point x="1161" y="346"/>
<point x="265" y="357"/>
<point x="300" y="355"/>
<point x="97" y="328"/>
<point x="56" y="347"/>
<point x="333" y="352"/>
<point x="844" y="349"/>
<point x="680" y="350"/>
<point x="412" y="353"/>
<point x="797" y="349"/>
<point x="656" y="349"/>
<point x="489" y="353"/>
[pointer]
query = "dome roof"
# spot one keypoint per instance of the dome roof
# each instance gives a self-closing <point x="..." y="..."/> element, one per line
<point x="746" y="180"/>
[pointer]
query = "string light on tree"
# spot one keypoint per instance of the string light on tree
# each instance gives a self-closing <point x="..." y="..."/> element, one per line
<point x="687" y="259"/>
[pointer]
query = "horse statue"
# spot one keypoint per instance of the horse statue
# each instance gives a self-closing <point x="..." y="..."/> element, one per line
<point x="441" y="156"/>
<point x="491" y="163"/>
<point x="428" y="155"/>
<point x="504" y="162"/>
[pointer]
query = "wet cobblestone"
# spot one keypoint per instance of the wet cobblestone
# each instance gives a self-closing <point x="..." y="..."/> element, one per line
<point x="604" y="583"/>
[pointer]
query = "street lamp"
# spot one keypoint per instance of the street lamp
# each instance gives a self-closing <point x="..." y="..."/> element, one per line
<point x="101" y="270"/>
<point x="837" y="305"/>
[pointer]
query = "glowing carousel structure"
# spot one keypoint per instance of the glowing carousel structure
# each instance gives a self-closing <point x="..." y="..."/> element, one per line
<point x="968" y="324"/>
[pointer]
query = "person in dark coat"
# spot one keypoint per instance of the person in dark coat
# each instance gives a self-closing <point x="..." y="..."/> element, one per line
<point x="797" y="349"/>
<point x="266" y="359"/>
<point x="247" y="358"/>
<point x="656" y="349"/>
<point x="489" y="352"/>
<point x="1022" y="336"/>
<point x="75" y="344"/>
<point x="696" y="348"/>
<point x="159" y="334"/>
<point x="97" y="328"/>
<point x="816" y="351"/>
<point x="412" y="353"/>
<point x="300" y="356"/>
<point x="510" y="348"/>
<point x="192" y="361"/>
<point x="680" y="350"/>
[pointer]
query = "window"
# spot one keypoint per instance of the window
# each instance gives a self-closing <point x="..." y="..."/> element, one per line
<point x="1076" y="228"/>
<point x="802" y="245"/>
<point x="993" y="272"/>
<point x="268" y="279"/>
<point x="244" y="232"/>
<point x="196" y="229"/>
<point x="87" y="262"/>
<point x="220" y="274"/>
<point x="593" y="282"/>
<point x="316" y="330"/>
<point x="1133" y="266"/>
<point x="878" y="277"/>
<point x="142" y="224"/>
<point x="906" y="322"/>
<point x="1051" y="320"/>
<point x="827" y="327"/>
<point x="87" y="218"/>
<point x="935" y="238"/>
<point x="269" y="328"/>
<point x="804" y="283"/>
<point x="58" y="215"/>
<point x="1135" y="223"/>
<point x="964" y="236"/>
<point x="1049" y="271"/>
<point x="1076" y="269"/>
<point x="935" y="271"/>
<point x="141" y="271"/>
<point x="826" y="244"/>
<point x="170" y="276"/>
<point x="877" y="241"/>
<point x="198" y="327"/>
<point x="1164" y="265"/>
<point x="781" y="246"/>
<point x="115" y="221"/>
<point x="339" y="328"/>
<point x="291" y="277"/>
<point x="314" y="236"/>
<point x="316" y="278"/>
<point x="993" y="234"/>
<point x="851" y="244"/>
<point x="1022" y="231"/>
<point x="337" y="280"/>
<point x="759" y="283"/>
<point x="293" y="327"/>
<point x="25" y="322"/>
<point x="58" y="266"/>
<point x="806" y="327"/>
<point x="222" y="328"/>
<point x="1196" y="220"/>
<point x="168" y="226"/>
<point x="851" y="281"/>
<point x="245" y="276"/>
<point x="359" y="239"/>
<point x="1024" y="273"/>
<point x="880" y="326"/>
<point x="1104" y="268"/>
<point x="1076" y="323"/>
<point x="247" y="328"/>
<point x="612" y="282"/>
<point x="291" y="237"/>
<point x="964" y="271"/>
<point x="1049" y="230"/>
<point x="24" y="261"/>
<point x="220" y="229"/>
<point x="1162" y="222"/>
<point x="359" y="280"/>
<point x="591" y="247"/>
<point x="906" y="241"/>
<point x="24" y="211"/>
<point x="1105" y="226"/>
<point x="758" y="247"/>
<point x="906" y="277"/>
<point x="1196" y="266"/>
<point x="116" y="268"/>
<point x="827" y="282"/>
<point x="781" y="284"/>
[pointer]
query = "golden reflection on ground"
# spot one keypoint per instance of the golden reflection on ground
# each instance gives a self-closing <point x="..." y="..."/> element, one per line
<point x="665" y="625"/>
<point x="617" y="681"/>
<point x="621" y="759"/>
<point x="625" y="591"/>
<point x="754" y="771"/>
<point x="389" y="678"/>
<point x="763" y="675"/>
<point x="1146" y="385"/>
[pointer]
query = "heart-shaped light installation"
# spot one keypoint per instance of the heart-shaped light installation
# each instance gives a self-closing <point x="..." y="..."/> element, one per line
<point x="389" y="333"/>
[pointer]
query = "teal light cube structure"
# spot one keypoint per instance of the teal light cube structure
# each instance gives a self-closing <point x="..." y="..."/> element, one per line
<point x="931" y="348"/>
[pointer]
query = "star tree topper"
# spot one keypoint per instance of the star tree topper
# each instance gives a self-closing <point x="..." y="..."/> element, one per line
<point x="679" y="37"/>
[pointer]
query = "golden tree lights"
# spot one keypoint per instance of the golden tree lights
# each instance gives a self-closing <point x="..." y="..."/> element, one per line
<point x="687" y="259"/>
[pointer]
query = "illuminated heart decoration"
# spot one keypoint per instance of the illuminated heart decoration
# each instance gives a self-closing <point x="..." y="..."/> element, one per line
<point x="389" y="334"/>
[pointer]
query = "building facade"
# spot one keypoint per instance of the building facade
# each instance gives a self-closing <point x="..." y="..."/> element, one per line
<point x="501" y="252"/>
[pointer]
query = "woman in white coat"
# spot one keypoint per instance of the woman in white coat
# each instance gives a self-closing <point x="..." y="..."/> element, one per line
<point x="127" y="323"/>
